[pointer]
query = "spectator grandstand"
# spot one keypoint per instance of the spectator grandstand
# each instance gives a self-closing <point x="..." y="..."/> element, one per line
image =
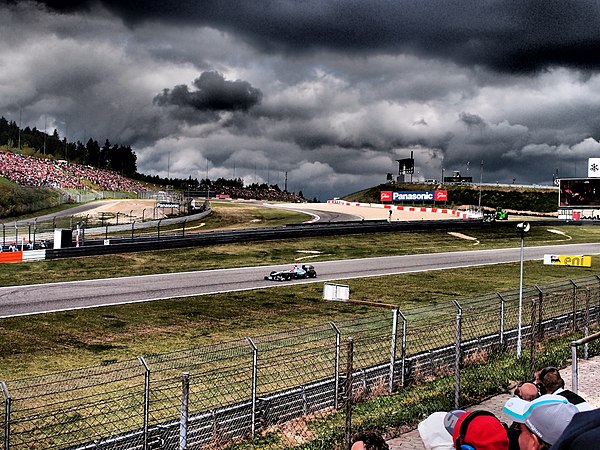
<point x="32" y="171"/>
<point x="59" y="174"/>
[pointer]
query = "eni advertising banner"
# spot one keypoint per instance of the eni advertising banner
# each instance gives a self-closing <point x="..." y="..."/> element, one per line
<point x="413" y="196"/>
<point x="568" y="260"/>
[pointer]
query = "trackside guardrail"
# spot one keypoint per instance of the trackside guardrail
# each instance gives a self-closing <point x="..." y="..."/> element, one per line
<point x="575" y="366"/>
<point x="171" y="240"/>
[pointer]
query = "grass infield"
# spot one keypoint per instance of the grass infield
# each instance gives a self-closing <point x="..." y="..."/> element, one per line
<point x="60" y="341"/>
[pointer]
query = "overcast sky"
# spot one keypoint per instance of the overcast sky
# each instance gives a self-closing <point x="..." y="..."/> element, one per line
<point x="331" y="91"/>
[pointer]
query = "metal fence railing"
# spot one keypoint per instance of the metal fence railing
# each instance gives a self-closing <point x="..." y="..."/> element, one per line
<point x="306" y="388"/>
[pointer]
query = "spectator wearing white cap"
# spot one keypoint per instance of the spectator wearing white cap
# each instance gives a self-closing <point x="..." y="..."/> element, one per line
<point x="434" y="432"/>
<point x="542" y="420"/>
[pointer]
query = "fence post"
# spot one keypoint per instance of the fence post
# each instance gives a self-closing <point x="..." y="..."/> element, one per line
<point x="146" y="399"/>
<point x="254" y="382"/>
<point x="587" y="322"/>
<point x="574" y="306"/>
<point x="348" y="392"/>
<point x="533" y="331"/>
<point x="393" y="349"/>
<point x="574" y="368"/>
<point x="7" y="405"/>
<point x="501" y="319"/>
<point x="540" y="321"/>
<point x="336" y="370"/>
<point x="457" y="354"/>
<point x="403" y="349"/>
<point x="185" y="397"/>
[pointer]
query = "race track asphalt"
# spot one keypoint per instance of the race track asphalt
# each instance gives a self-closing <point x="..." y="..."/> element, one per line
<point x="43" y="298"/>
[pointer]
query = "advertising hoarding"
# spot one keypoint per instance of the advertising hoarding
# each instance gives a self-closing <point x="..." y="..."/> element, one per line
<point x="414" y="196"/>
<point x="568" y="260"/>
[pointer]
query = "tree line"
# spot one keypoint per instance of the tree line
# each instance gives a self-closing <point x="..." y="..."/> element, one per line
<point x="119" y="158"/>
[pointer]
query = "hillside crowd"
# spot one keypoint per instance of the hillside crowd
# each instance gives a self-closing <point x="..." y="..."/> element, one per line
<point x="259" y="194"/>
<point x="59" y="174"/>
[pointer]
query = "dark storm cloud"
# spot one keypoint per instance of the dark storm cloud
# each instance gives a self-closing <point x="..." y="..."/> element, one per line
<point x="212" y="94"/>
<point x="471" y="119"/>
<point x="505" y="35"/>
<point x="331" y="92"/>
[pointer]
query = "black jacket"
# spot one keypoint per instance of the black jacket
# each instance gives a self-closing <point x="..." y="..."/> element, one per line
<point x="582" y="433"/>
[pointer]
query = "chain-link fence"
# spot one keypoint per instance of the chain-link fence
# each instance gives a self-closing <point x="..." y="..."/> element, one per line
<point x="307" y="388"/>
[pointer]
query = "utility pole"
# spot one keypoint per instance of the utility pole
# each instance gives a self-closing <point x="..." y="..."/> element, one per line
<point x="480" y="183"/>
<point x="45" y="132"/>
<point x="19" y="144"/>
<point x="66" y="134"/>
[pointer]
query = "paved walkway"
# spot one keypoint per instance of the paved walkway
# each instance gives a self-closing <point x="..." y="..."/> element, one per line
<point x="589" y="389"/>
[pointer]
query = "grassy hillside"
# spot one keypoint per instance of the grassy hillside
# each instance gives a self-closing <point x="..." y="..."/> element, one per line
<point x="17" y="200"/>
<point x="517" y="198"/>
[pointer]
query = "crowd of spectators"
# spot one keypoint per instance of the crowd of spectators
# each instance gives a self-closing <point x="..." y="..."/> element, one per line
<point x="545" y="416"/>
<point x="257" y="194"/>
<point x="59" y="174"/>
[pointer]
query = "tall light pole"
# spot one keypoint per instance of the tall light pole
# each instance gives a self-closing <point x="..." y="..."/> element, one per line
<point x="480" y="183"/>
<point x="522" y="229"/>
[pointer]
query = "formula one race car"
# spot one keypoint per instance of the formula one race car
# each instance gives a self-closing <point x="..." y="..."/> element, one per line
<point x="295" y="273"/>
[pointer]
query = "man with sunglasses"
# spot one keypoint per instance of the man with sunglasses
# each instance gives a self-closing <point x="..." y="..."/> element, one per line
<point x="541" y="421"/>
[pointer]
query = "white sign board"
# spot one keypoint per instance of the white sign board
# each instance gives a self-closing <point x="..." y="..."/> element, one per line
<point x="593" y="167"/>
<point x="338" y="292"/>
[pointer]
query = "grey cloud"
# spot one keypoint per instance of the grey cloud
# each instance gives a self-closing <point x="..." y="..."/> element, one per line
<point x="471" y="119"/>
<point x="213" y="94"/>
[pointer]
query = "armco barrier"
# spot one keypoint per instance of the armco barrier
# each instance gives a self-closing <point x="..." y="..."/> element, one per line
<point x="11" y="257"/>
<point x="423" y="209"/>
<point x="27" y="255"/>
<point x="125" y="245"/>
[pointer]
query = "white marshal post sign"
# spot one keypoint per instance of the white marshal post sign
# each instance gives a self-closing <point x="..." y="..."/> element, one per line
<point x="593" y="167"/>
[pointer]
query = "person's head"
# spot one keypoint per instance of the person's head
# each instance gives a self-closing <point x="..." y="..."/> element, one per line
<point x="479" y="430"/>
<point x="527" y="391"/>
<point x="550" y="379"/>
<point x="542" y="420"/>
<point x="369" y="440"/>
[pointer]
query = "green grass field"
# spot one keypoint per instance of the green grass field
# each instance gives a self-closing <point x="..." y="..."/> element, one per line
<point x="66" y="340"/>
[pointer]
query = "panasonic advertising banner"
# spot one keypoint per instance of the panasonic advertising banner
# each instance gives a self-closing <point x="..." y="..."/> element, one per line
<point x="414" y="196"/>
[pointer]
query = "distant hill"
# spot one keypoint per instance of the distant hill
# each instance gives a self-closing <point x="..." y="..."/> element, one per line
<point x="507" y="197"/>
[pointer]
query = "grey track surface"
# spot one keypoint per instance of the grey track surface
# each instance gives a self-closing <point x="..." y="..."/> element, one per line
<point x="41" y="298"/>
